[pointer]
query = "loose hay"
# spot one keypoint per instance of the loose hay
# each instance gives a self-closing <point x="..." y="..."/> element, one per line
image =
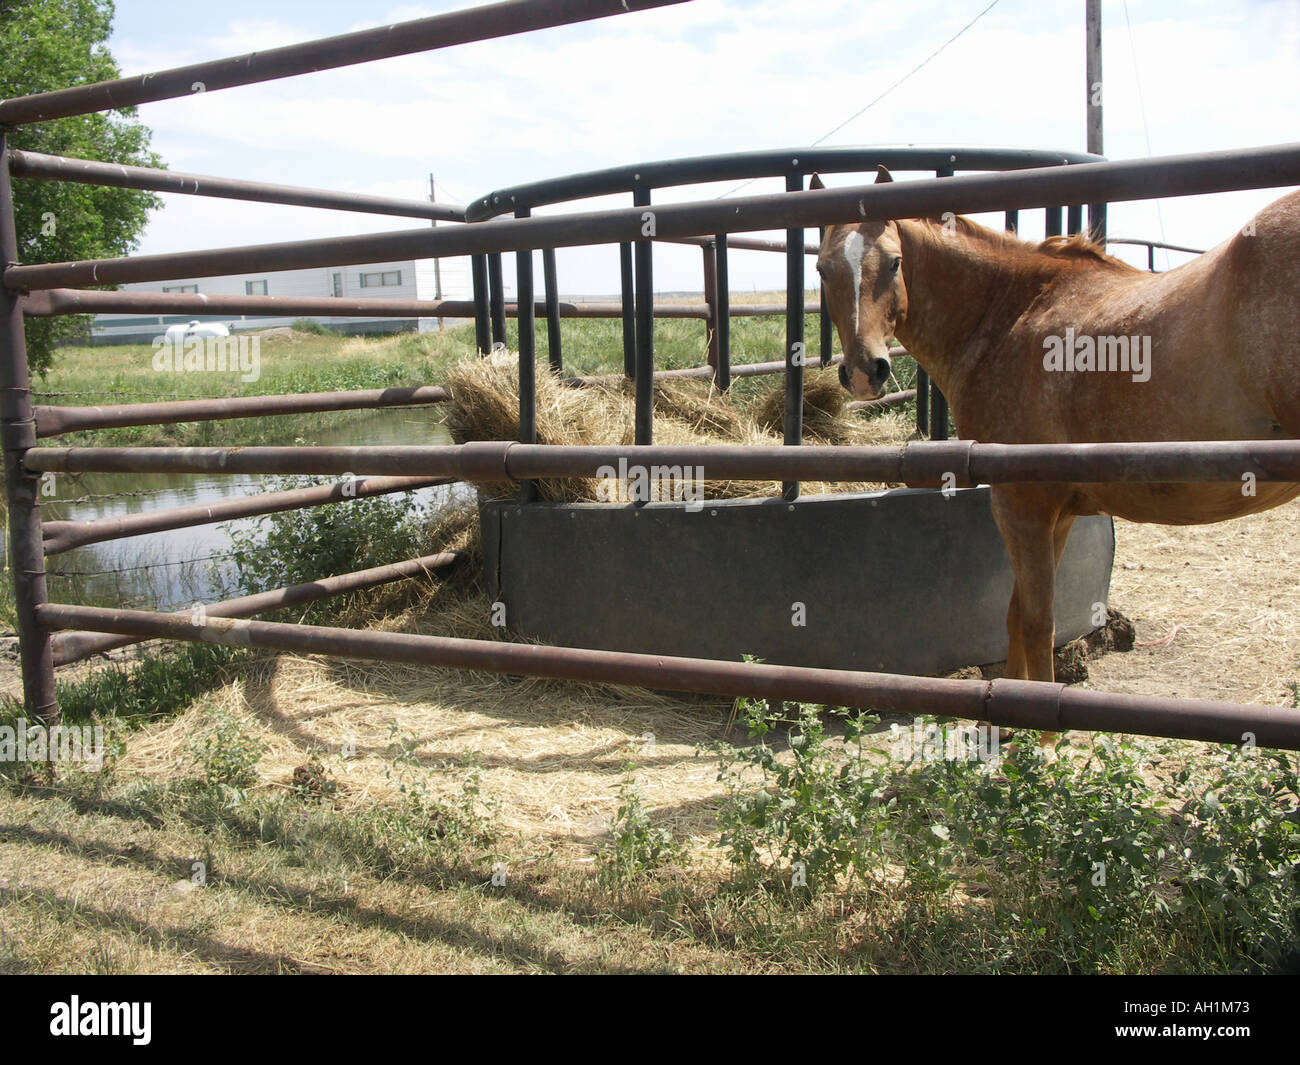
<point x="485" y="406"/>
<point x="824" y="417"/>
<point x="552" y="753"/>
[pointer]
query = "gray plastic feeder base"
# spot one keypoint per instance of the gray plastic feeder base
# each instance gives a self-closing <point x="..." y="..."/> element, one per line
<point x="903" y="581"/>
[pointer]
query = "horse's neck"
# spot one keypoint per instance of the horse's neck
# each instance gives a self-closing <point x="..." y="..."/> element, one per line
<point x="961" y="293"/>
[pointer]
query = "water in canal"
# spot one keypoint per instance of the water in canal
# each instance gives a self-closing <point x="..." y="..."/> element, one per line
<point x="172" y="570"/>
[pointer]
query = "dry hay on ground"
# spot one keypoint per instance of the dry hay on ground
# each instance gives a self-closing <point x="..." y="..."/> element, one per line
<point x="1216" y="610"/>
<point x="485" y="406"/>
<point x="553" y="754"/>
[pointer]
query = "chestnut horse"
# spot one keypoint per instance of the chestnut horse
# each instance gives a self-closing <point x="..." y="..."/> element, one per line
<point x="1060" y="343"/>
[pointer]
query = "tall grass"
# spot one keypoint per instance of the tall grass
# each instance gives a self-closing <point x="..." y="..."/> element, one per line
<point x="327" y="362"/>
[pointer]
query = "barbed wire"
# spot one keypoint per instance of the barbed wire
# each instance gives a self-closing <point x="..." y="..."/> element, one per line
<point x="137" y="569"/>
<point x="97" y="496"/>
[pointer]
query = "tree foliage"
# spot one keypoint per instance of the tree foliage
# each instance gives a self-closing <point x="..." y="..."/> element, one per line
<point x="54" y="44"/>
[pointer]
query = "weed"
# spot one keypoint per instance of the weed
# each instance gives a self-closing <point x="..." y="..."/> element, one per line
<point x="637" y="845"/>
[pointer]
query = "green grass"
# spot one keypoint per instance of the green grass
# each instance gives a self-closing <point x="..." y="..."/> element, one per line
<point x="326" y="362"/>
<point x="958" y="870"/>
<point x="316" y="363"/>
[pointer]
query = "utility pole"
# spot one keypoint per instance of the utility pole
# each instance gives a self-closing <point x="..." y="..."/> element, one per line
<point x="1092" y="20"/>
<point x="437" y="265"/>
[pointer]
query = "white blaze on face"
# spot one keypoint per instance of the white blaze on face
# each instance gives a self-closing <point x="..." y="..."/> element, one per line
<point x="854" y="249"/>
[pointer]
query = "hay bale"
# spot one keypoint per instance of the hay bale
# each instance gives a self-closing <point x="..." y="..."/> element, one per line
<point x="705" y="411"/>
<point x="824" y="417"/>
<point x="485" y="406"/>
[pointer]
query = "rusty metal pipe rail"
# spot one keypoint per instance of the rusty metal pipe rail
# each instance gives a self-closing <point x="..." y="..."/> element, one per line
<point x="1011" y="703"/>
<point x="958" y="463"/>
<point x="1138" y="241"/>
<point x="743" y="244"/>
<point x="54" y="420"/>
<point x="892" y="399"/>
<point x="1135" y="179"/>
<point x="50" y="303"/>
<point x="74" y="646"/>
<point x="744" y="369"/>
<point x="89" y="172"/>
<point x="51" y="421"/>
<point x="348" y="49"/>
<point x="60" y="536"/>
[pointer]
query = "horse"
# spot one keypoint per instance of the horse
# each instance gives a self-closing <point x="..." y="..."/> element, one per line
<point x="1058" y="342"/>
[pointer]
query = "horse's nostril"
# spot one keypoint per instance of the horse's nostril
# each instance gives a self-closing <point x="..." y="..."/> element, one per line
<point x="844" y="376"/>
<point x="879" y="369"/>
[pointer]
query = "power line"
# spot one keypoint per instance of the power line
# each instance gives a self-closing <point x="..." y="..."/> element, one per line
<point x="1146" y="131"/>
<point x="864" y="110"/>
<point x="907" y="75"/>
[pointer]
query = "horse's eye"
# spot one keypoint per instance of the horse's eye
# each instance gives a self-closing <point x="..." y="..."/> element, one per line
<point x="893" y="266"/>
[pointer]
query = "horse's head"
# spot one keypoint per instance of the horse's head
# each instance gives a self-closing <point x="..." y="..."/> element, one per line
<point x="861" y="267"/>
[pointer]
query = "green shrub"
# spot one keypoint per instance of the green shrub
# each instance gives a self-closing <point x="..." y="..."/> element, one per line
<point x="1088" y="855"/>
<point x="297" y="546"/>
<point x="310" y="325"/>
<point x="637" y="845"/>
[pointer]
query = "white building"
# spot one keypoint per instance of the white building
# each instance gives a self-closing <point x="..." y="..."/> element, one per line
<point x="422" y="279"/>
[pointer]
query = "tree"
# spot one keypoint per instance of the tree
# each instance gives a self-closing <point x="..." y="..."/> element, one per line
<point x="53" y="44"/>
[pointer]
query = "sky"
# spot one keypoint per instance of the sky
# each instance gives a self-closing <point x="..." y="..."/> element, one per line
<point x="704" y="77"/>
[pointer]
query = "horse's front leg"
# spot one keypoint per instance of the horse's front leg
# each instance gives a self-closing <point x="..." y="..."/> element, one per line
<point x="1015" y="667"/>
<point x="1035" y="532"/>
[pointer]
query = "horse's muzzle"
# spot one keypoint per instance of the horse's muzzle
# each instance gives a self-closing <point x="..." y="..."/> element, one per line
<point x="844" y="376"/>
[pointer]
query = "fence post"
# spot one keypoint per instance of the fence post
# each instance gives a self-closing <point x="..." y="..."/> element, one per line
<point x="645" y="329"/>
<point x="628" y="291"/>
<point x="18" y="434"/>
<point x="825" y="326"/>
<point x="710" y="257"/>
<point x="722" y="323"/>
<point x="936" y="421"/>
<point x="496" y="298"/>
<point x="554" y="355"/>
<point x="794" y="339"/>
<point x="525" y="319"/>
<point x="922" y="401"/>
<point x="482" y="304"/>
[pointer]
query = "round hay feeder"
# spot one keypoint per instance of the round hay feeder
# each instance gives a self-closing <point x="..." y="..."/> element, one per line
<point x="899" y="581"/>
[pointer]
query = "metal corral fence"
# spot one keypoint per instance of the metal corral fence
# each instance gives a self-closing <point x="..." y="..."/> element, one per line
<point x="51" y="632"/>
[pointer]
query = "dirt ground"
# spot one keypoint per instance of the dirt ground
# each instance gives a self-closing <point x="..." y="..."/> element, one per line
<point x="1216" y="609"/>
<point x="83" y="888"/>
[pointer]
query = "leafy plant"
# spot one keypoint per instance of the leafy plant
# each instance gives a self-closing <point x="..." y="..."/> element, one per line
<point x="310" y="325"/>
<point x="297" y="546"/>
<point x="637" y="845"/>
<point x="1085" y="859"/>
<point x="817" y="810"/>
<point x="228" y="752"/>
<point x="423" y="824"/>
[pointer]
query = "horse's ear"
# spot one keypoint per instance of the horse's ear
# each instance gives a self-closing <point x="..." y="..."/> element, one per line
<point x="816" y="182"/>
<point x="883" y="174"/>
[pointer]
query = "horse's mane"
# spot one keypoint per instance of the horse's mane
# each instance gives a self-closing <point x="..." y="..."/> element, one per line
<point x="1077" y="247"/>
